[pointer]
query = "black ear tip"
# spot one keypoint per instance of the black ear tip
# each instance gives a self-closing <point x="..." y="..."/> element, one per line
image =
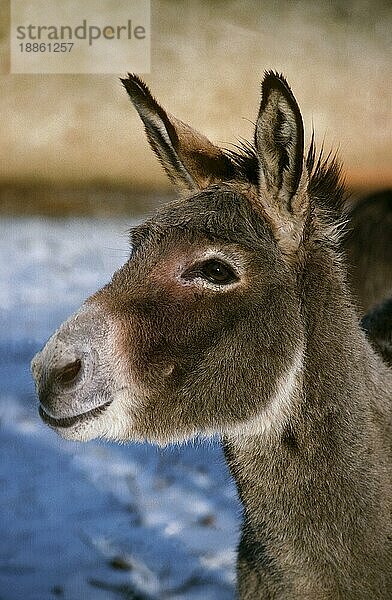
<point x="271" y="74"/>
<point x="135" y="86"/>
<point x="132" y="79"/>
<point x="127" y="81"/>
<point x="274" y="80"/>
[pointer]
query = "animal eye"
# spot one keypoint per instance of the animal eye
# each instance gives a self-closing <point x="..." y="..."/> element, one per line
<point x="216" y="271"/>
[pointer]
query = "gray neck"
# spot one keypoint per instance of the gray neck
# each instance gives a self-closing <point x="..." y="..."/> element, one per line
<point x="313" y="489"/>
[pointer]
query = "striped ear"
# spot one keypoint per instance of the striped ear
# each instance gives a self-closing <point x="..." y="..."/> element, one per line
<point x="279" y="140"/>
<point x="191" y="161"/>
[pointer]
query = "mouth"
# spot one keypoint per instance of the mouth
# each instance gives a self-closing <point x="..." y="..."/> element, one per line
<point x="76" y="419"/>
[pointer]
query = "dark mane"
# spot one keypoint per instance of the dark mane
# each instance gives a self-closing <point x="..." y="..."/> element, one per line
<point x="244" y="158"/>
<point x="326" y="185"/>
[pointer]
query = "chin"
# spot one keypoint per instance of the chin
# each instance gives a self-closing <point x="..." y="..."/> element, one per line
<point x="109" y="421"/>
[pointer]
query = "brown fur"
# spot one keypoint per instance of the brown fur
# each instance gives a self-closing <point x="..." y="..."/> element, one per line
<point x="273" y="358"/>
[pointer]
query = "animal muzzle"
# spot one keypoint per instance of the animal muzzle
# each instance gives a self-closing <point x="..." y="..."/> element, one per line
<point x="72" y="378"/>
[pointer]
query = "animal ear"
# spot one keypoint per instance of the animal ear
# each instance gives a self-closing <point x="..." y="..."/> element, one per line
<point x="191" y="161"/>
<point x="279" y="139"/>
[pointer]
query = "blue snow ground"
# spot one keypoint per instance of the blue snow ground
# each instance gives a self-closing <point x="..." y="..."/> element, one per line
<point x="94" y="521"/>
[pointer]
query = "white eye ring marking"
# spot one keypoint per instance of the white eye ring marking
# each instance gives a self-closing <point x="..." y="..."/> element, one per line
<point x="233" y="262"/>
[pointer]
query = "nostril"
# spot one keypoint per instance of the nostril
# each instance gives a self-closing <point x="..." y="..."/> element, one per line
<point x="68" y="373"/>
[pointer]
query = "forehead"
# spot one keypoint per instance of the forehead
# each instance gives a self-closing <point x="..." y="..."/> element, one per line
<point x="216" y="215"/>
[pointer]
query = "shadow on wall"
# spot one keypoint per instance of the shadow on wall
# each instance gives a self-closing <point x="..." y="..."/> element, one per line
<point x="207" y="62"/>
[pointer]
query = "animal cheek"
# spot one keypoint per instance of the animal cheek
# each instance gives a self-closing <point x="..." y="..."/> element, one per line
<point x="137" y="349"/>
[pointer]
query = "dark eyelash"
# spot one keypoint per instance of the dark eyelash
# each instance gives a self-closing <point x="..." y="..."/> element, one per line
<point x="205" y="270"/>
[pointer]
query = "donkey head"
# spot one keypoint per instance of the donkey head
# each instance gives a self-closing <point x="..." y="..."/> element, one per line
<point x="201" y="330"/>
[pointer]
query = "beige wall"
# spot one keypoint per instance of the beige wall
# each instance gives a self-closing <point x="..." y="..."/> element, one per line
<point x="207" y="62"/>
